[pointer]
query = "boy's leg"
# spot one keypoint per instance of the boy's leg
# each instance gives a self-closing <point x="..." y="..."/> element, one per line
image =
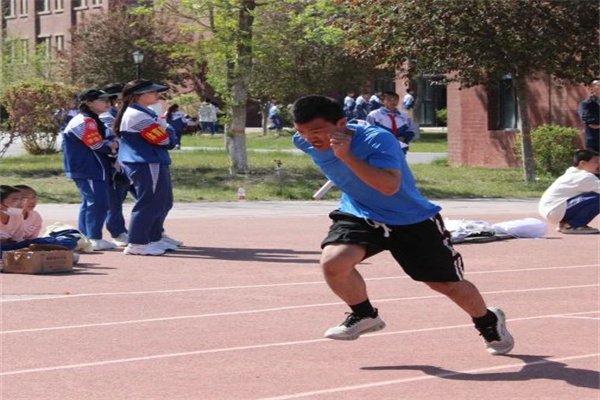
<point x="464" y="294"/>
<point x="338" y="262"/>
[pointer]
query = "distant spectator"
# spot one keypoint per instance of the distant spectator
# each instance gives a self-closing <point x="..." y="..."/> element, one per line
<point x="362" y="107"/>
<point x="573" y="200"/>
<point x="375" y="101"/>
<point x="408" y="102"/>
<point x="589" y="111"/>
<point x="178" y="121"/>
<point x="349" y="106"/>
<point x="391" y="119"/>
<point x="274" y="116"/>
<point x="207" y="116"/>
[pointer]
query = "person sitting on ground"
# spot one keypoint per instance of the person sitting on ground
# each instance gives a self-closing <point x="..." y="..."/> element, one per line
<point x="32" y="220"/>
<point x="573" y="200"/>
<point x="11" y="215"/>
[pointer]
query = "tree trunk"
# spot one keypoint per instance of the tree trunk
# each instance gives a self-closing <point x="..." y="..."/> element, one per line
<point x="239" y="80"/>
<point x="526" y="146"/>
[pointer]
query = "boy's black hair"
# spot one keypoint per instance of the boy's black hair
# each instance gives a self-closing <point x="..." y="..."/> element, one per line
<point x="6" y="191"/>
<point x="311" y="107"/>
<point x="583" y="155"/>
<point x="25" y="187"/>
<point x="390" y="94"/>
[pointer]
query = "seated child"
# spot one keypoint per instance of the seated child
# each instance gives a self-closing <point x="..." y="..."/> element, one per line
<point x="11" y="216"/>
<point x="573" y="200"/>
<point x="32" y="220"/>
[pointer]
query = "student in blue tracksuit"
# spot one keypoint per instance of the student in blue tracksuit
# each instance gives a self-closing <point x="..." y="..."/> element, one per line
<point x="393" y="120"/>
<point x="178" y="121"/>
<point x="119" y="184"/>
<point x="85" y="148"/>
<point x="145" y="141"/>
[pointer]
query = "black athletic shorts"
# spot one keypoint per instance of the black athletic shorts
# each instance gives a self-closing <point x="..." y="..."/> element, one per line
<point x="423" y="250"/>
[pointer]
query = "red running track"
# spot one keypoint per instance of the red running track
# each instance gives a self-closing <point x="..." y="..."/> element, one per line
<point x="240" y="311"/>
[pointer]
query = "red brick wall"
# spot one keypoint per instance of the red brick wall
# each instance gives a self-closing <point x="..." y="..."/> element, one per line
<point x="471" y="143"/>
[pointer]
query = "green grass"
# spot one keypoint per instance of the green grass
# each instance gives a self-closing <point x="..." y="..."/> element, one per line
<point x="204" y="176"/>
<point x="427" y="143"/>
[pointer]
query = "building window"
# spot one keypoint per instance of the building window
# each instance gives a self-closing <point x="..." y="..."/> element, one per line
<point x="77" y="4"/>
<point x="24" y="50"/>
<point x="59" y="42"/>
<point x="42" y="6"/>
<point x="96" y="3"/>
<point x="507" y="104"/>
<point x="59" y="5"/>
<point x="502" y="105"/>
<point x="24" y="8"/>
<point x="44" y="45"/>
<point x="9" y="7"/>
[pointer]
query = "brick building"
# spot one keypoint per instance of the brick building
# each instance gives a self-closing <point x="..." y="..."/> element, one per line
<point x="482" y="122"/>
<point x="45" y="23"/>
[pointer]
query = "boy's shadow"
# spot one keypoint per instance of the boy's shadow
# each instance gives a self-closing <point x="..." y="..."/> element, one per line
<point x="535" y="367"/>
<point x="245" y="254"/>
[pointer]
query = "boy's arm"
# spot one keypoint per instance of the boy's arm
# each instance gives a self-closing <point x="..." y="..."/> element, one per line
<point x="384" y="180"/>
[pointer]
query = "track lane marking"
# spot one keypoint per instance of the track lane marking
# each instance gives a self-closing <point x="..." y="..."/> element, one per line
<point x="272" y="285"/>
<point x="275" y="309"/>
<point x="427" y="377"/>
<point x="259" y="346"/>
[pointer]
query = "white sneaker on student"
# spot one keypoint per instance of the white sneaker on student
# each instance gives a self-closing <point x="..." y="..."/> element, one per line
<point x="101" y="244"/>
<point x="163" y="244"/>
<point x="354" y="326"/>
<point x="122" y="240"/>
<point x="497" y="338"/>
<point x="143" y="250"/>
<point x="168" y="239"/>
<point x="75" y="258"/>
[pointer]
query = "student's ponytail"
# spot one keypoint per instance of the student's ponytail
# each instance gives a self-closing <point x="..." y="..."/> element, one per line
<point x="127" y="100"/>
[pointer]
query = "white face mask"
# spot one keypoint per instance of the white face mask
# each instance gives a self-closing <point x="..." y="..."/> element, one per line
<point x="13" y="211"/>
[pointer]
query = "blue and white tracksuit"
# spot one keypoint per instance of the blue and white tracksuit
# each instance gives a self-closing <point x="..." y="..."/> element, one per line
<point x="396" y="122"/>
<point x="85" y="158"/>
<point x="145" y="141"/>
<point x="117" y="189"/>
<point x="349" y="105"/>
<point x="178" y="122"/>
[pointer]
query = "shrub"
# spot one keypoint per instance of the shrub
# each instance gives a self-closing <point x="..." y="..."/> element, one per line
<point x="32" y="108"/>
<point x="553" y="148"/>
<point x="442" y="117"/>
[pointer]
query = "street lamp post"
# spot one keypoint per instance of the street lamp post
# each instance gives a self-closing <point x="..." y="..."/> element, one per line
<point x="138" y="59"/>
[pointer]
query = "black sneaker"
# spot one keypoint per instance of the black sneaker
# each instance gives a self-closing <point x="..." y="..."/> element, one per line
<point x="497" y="338"/>
<point x="355" y="326"/>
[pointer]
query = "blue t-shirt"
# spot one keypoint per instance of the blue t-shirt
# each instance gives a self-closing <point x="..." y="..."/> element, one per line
<point x="380" y="149"/>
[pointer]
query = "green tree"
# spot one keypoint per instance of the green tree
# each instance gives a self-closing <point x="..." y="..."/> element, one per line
<point x="101" y="48"/>
<point x="19" y="62"/>
<point x="477" y="42"/>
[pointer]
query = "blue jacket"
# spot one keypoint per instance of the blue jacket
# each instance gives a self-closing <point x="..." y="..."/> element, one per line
<point x="85" y="150"/>
<point x="143" y="138"/>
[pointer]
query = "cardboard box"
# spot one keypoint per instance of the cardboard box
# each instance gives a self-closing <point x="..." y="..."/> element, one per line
<point x="37" y="262"/>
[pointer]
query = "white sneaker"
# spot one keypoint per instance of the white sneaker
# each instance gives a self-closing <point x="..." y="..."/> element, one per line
<point x="122" y="240"/>
<point x="168" y="239"/>
<point x="101" y="244"/>
<point x="353" y="327"/>
<point x="162" y="244"/>
<point x="497" y="338"/>
<point x="75" y="258"/>
<point x="143" y="250"/>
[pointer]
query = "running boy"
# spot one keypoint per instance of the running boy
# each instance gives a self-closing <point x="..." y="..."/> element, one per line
<point x="382" y="209"/>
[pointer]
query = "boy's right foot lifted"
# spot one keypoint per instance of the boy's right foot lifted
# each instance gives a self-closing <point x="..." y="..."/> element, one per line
<point x="355" y="326"/>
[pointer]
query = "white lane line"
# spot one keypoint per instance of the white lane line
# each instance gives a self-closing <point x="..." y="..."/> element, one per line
<point x="275" y="309"/>
<point x="568" y="316"/>
<point x="427" y="377"/>
<point x="273" y="285"/>
<point x="257" y="346"/>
